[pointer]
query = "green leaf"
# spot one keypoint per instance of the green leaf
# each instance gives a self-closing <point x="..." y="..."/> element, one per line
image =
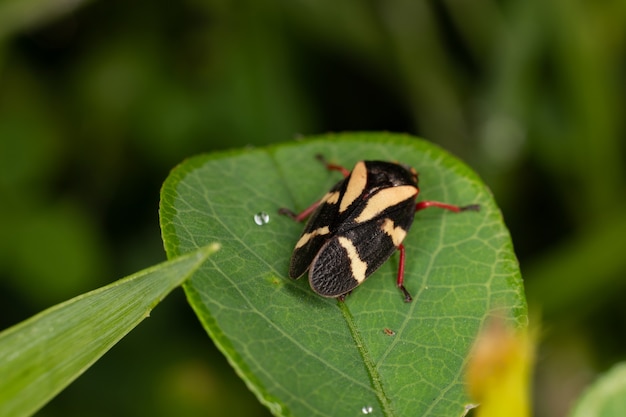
<point x="606" y="397"/>
<point x="42" y="355"/>
<point x="304" y="355"/>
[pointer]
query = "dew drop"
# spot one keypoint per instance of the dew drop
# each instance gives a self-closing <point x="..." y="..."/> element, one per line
<point x="261" y="218"/>
<point x="367" y="409"/>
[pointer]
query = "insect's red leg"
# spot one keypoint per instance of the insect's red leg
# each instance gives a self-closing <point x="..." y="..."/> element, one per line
<point x="303" y="215"/>
<point x="333" y="167"/>
<point x="425" y="204"/>
<point x="299" y="216"/>
<point x="421" y="206"/>
<point x="400" y="281"/>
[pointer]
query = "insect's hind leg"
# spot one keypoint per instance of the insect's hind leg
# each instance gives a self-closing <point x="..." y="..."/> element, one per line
<point x="400" y="281"/>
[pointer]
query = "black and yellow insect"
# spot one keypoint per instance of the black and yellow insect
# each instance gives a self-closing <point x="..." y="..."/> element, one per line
<point x="357" y="226"/>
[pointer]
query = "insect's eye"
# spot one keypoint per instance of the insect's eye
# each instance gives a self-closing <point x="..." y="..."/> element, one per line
<point x="381" y="178"/>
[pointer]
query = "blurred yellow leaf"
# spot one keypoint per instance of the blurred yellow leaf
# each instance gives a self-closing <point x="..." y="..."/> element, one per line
<point x="499" y="371"/>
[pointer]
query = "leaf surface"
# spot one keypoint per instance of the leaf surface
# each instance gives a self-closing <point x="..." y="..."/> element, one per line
<point x="42" y="355"/>
<point x="304" y="355"/>
<point x="606" y="397"/>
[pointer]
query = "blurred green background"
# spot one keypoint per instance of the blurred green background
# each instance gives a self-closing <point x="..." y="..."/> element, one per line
<point x="99" y="100"/>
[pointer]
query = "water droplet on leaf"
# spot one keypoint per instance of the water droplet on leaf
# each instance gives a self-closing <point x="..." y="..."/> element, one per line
<point x="261" y="218"/>
<point x="367" y="409"/>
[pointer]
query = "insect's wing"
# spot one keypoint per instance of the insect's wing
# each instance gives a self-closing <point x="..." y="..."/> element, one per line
<point x="320" y="227"/>
<point x="372" y="190"/>
<point x="351" y="256"/>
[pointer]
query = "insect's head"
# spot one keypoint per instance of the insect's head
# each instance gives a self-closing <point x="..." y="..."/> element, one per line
<point x="412" y="171"/>
<point x="382" y="174"/>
